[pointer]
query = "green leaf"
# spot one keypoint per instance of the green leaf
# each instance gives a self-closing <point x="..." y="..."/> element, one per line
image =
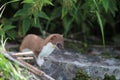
<point x="2" y="78"/>
<point x="12" y="34"/>
<point x="67" y="5"/>
<point x="10" y="70"/>
<point x="67" y="25"/>
<point x="21" y="12"/>
<point x="35" y="22"/>
<point x="1" y="26"/>
<point x="28" y="1"/>
<point x="8" y="27"/>
<point x="106" y="4"/>
<point x="101" y="27"/>
<point x="25" y="25"/>
<point x="24" y="12"/>
<point x="46" y="2"/>
<point x="2" y="32"/>
<point x="43" y="15"/>
<point x="64" y="11"/>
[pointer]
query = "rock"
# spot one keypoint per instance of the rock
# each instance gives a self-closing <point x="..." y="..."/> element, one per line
<point x="64" y="65"/>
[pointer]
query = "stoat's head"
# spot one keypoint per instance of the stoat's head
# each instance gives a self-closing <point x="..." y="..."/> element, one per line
<point x="57" y="40"/>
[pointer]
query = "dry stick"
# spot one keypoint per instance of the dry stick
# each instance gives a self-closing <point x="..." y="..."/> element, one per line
<point x="36" y="71"/>
<point x="28" y="53"/>
<point x="28" y="66"/>
<point x="25" y="58"/>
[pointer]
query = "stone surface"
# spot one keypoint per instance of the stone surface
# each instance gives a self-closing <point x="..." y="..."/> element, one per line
<point x="64" y="65"/>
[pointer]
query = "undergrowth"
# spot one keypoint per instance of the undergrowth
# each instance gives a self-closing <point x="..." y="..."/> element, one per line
<point x="80" y="75"/>
<point x="9" y="70"/>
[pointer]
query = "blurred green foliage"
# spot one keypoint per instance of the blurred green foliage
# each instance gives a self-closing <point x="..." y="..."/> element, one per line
<point x="62" y="16"/>
<point x="108" y="77"/>
<point x="81" y="75"/>
<point x="9" y="71"/>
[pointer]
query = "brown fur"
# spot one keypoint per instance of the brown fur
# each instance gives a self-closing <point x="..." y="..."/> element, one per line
<point x="35" y="43"/>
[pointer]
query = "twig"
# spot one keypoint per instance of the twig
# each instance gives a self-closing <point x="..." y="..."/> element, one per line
<point x="36" y="71"/>
<point x="12" y="59"/>
<point x="25" y="58"/>
<point x="28" y="53"/>
<point x="28" y="66"/>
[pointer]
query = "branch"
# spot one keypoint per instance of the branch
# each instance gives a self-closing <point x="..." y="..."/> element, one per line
<point x="25" y="58"/>
<point x="28" y="53"/>
<point x="28" y="66"/>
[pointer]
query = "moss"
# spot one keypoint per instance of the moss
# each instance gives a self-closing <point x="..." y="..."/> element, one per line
<point x="80" y="75"/>
<point x="108" y="77"/>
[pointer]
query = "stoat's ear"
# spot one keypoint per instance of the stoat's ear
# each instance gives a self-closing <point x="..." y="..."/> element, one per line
<point x="53" y="37"/>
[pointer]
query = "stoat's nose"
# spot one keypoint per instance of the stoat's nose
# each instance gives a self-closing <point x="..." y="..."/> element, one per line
<point x="60" y="46"/>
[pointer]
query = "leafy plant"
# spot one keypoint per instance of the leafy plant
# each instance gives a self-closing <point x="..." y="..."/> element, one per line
<point x="99" y="20"/>
<point x="72" y="16"/>
<point x="30" y="13"/>
<point x="107" y="7"/>
<point x="7" y="30"/>
<point x="9" y="71"/>
<point x="94" y="9"/>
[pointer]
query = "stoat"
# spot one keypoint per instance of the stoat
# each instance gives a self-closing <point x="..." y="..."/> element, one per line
<point x="42" y="47"/>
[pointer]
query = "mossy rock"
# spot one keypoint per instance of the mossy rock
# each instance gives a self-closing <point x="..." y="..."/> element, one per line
<point x="80" y="75"/>
<point x="108" y="77"/>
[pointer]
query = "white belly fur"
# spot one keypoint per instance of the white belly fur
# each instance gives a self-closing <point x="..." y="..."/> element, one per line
<point x="45" y="52"/>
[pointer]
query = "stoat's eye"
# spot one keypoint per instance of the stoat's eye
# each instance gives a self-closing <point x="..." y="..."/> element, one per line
<point x="60" y="46"/>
